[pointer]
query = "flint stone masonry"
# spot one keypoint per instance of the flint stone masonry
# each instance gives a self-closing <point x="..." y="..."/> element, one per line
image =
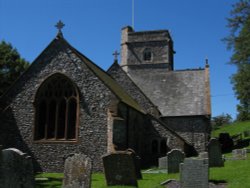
<point x="214" y="153"/>
<point x="16" y="169"/>
<point x="119" y="168"/>
<point x="77" y="172"/>
<point x="174" y="158"/>
<point x="239" y="154"/>
<point x="194" y="173"/>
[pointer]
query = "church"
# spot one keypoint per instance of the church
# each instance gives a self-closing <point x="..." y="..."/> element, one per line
<point x="65" y="104"/>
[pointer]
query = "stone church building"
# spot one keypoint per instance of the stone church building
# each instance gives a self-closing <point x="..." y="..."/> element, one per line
<point x="64" y="104"/>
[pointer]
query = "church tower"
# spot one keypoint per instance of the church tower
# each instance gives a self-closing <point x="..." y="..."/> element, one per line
<point x="146" y="49"/>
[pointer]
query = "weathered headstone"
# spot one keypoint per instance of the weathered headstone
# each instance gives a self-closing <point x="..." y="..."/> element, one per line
<point x="226" y="142"/>
<point x="16" y="169"/>
<point x="239" y="154"/>
<point x="174" y="158"/>
<point x="119" y="168"/>
<point x="137" y="161"/>
<point x="214" y="153"/>
<point x="203" y="155"/>
<point x="246" y="133"/>
<point x="194" y="173"/>
<point x="163" y="162"/>
<point x="77" y="172"/>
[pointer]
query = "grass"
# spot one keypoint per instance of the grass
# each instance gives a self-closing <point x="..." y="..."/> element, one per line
<point x="232" y="129"/>
<point x="98" y="180"/>
<point x="235" y="173"/>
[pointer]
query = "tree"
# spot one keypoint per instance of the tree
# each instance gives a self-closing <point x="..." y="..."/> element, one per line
<point x="239" y="41"/>
<point x="11" y="65"/>
<point x="222" y="119"/>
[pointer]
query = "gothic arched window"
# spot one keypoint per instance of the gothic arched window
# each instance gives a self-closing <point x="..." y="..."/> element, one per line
<point x="147" y="55"/>
<point x="56" y="107"/>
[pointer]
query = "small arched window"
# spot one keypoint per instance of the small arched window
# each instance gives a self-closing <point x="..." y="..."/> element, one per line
<point x="56" y="107"/>
<point x="147" y="55"/>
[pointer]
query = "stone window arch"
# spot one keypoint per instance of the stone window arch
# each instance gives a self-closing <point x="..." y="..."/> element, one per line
<point x="147" y="54"/>
<point x="56" y="107"/>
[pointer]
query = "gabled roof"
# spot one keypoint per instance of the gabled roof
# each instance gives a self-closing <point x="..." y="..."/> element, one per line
<point x="117" y="90"/>
<point x="176" y="93"/>
<point x="120" y="93"/>
<point x="121" y="77"/>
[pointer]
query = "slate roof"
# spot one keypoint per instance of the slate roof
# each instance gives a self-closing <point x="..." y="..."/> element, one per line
<point x="121" y="77"/>
<point x="176" y="93"/>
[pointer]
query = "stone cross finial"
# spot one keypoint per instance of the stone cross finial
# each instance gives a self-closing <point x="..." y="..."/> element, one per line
<point x="59" y="26"/>
<point x="115" y="54"/>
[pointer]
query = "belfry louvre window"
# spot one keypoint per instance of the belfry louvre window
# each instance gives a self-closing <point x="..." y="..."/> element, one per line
<point x="147" y="55"/>
<point x="56" y="107"/>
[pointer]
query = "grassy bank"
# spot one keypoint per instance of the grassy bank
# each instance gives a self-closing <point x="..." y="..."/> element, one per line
<point x="232" y="129"/>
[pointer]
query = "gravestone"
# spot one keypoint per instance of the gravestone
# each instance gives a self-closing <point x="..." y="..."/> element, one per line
<point x="226" y="142"/>
<point x="16" y="169"/>
<point x="214" y="153"/>
<point x="119" y="168"/>
<point x="137" y="161"/>
<point x="246" y="133"/>
<point x="163" y="162"/>
<point x="174" y="158"/>
<point x="194" y="173"/>
<point x="203" y="155"/>
<point x="172" y="183"/>
<point x="77" y="172"/>
<point x="239" y="154"/>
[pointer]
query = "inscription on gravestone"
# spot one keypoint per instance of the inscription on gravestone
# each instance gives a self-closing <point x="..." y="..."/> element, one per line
<point x="16" y="169"/>
<point x="119" y="168"/>
<point x="194" y="173"/>
<point x="77" y="172"/>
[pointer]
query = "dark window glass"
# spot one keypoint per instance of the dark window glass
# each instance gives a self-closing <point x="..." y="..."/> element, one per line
<point x="147" y="55"/>
<point x="56" y="109"/>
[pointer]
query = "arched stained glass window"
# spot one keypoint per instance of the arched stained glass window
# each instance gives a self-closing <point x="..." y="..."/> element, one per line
<point x="56" y="106"/>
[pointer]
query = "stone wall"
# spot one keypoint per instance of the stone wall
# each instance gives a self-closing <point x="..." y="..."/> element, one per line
<point x="134" y="43"/>
<point x="17" y="121"/>
<point x="194" y="129"/>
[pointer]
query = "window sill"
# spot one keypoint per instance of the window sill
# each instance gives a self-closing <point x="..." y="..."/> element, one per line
<point x="56" y="141"/>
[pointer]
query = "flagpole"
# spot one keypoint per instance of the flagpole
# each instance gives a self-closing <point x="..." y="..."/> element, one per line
<point x="133" y="14"/>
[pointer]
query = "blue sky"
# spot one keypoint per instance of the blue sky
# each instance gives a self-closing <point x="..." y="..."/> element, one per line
<point x="93" y="27"/>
